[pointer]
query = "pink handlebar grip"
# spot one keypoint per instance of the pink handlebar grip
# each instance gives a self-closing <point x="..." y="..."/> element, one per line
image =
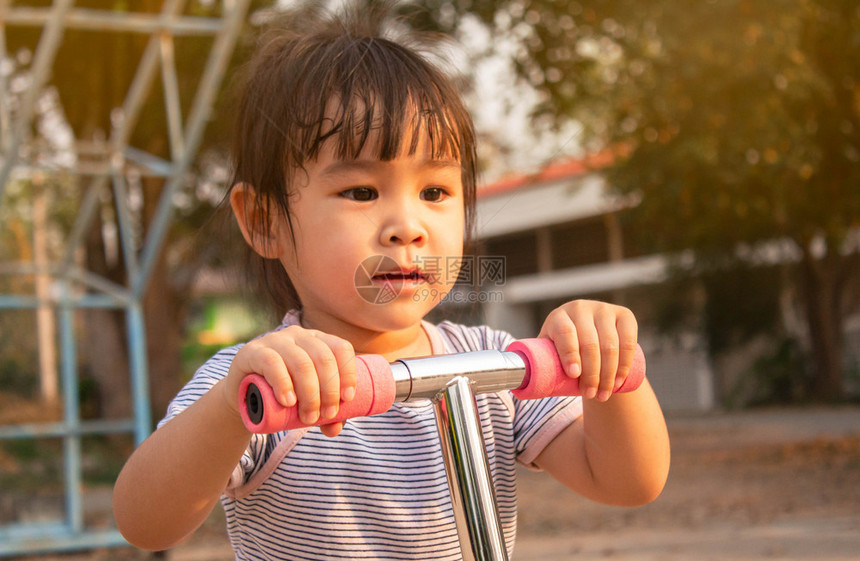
<point x="375" y="389"/>
<point x="546" y="377"/>
<point x="262" y="413"/>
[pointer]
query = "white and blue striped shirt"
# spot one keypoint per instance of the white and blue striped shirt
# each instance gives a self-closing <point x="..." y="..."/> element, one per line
<point x="379" y="489"/>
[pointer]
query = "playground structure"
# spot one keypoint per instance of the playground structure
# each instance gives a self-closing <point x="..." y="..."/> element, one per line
<point x="63" y="287"/>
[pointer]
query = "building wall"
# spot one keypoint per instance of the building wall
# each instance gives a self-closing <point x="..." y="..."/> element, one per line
<point x="582" y="254"/>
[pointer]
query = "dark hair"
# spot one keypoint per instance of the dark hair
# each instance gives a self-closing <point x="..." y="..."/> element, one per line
<point x="309" y="63"/>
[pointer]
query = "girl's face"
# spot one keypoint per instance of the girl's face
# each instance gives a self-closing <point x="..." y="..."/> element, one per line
<point x="374" y="240"/>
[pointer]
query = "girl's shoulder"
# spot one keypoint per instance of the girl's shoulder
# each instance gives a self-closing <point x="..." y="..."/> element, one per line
<point x="463" y="338"/>
<point x="218" y="364"/>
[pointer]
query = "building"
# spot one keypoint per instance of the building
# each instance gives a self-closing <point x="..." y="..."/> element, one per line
<point x="560" y="237"/>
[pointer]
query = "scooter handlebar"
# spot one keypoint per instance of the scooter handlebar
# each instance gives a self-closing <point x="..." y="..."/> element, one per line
<point x="545" y="375"/>
<point x="375" y="389"/>
<point x="263" y="413"/>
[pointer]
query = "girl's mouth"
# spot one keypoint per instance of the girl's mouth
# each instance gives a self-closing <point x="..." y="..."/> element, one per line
<point x="412" y="275"/>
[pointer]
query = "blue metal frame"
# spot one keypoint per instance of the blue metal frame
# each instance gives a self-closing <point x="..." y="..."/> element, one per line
<point x="71" y="532"/>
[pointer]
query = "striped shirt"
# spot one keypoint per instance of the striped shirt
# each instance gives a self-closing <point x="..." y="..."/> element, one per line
<point x="379" y="489"/>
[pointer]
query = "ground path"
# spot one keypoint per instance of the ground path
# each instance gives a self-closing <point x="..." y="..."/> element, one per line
<point x="780" y="484"/>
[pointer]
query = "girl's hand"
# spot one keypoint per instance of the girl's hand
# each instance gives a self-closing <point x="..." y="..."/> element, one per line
<point x="306" y="367"/>
<point x="595" y="342"/>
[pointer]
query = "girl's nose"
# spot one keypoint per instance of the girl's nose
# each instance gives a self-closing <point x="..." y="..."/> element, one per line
<point x="402" y="229"/>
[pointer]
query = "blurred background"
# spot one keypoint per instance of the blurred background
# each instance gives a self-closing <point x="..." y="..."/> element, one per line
<point x="698" y="162"/>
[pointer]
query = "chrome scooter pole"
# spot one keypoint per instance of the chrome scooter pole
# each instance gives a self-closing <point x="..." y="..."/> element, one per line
<point x="465" y="456"/>
<point x="472" y="494"/>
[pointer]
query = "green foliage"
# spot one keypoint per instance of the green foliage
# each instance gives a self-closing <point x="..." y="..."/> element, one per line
<point x="741" y="303"/>
<point x="36" y="465"/>
<point x="780" y="376"/>
<point x="736" y="123"/>
<point x="17" y="377"/>
<point x="741" y="118"/>
<point x="18" y="358"/>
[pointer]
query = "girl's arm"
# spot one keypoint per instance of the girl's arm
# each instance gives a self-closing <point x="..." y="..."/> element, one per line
<point x="173" y="480"/>
<point x="618" y="451"/>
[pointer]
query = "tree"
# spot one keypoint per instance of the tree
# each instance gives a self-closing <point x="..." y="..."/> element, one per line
<point x="737" y="121"/>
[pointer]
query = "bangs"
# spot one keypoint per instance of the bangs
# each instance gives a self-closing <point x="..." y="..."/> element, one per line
<point x="379" y="102"/>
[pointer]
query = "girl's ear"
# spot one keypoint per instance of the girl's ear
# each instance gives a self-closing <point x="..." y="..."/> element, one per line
<point x="257" y="225"/>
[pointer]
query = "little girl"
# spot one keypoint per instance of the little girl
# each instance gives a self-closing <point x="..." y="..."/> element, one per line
<point x="351" y="147"/>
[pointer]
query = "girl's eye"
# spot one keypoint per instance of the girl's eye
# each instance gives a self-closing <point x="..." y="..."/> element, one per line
<point x="360" y="194"/>
<point x="434" y="194"/>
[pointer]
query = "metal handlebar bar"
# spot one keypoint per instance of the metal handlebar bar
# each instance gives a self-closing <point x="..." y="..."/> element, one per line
<point x="529" y="367"/>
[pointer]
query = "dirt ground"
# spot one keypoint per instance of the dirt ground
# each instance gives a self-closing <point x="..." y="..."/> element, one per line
<point x="771" y="484"/>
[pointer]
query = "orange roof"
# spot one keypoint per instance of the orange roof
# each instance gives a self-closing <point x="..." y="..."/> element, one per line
<point x="552" y="172"/>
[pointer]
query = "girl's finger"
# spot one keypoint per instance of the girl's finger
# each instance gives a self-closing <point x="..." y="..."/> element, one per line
<point x="605" y="322"/>
<point x="257" y="357"/>
<point x="589" y="350"/>
<point x="344" y="355"/>
<point x="325" y="368"/>
<point x="331" y="430"/>
<point x="303" y="374"/>
<point x="628" y="333"/>
<point x="561" y="329"/>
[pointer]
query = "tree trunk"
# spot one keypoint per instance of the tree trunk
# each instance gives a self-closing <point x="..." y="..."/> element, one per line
<point x="105" y="343"/>
<point x="824" y="313"/>
<point x="165" y="307"/>
<point x="46" y="330"/>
